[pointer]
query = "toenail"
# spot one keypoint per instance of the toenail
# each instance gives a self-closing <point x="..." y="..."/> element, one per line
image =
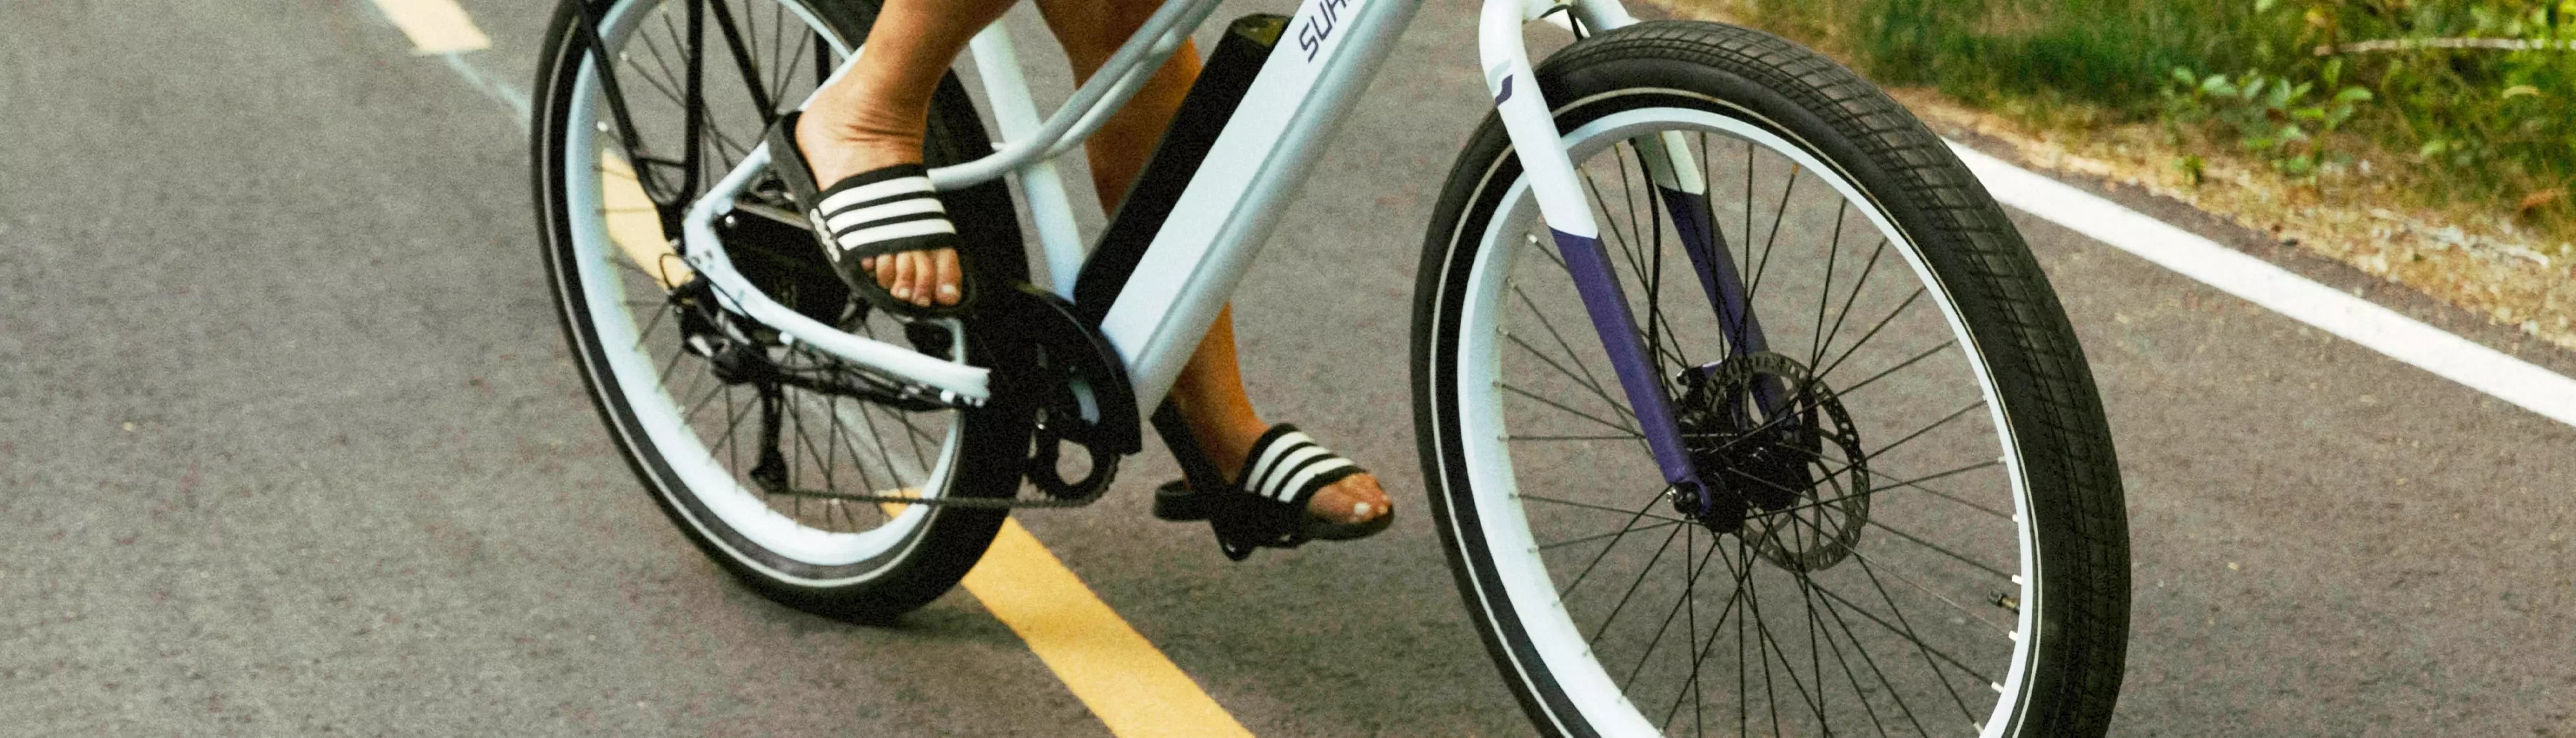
<point x="903" y="293"/>
<point x="948" y="290"/>
<point x="1361" y="510"/>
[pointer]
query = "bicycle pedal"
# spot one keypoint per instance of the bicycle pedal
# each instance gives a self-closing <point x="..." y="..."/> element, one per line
<point x="1176" y="502"/>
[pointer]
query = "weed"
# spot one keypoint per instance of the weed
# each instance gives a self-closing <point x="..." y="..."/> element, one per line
<point x="2482" y="92"/>
<point x="2274" y="118"/>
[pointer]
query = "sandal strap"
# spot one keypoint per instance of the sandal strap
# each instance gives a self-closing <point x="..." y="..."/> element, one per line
<point x="883" y="211"/>
<point x="1288" y="467"/>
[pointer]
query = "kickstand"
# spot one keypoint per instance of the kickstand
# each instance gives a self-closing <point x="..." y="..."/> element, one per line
<point x="770" y="474"/>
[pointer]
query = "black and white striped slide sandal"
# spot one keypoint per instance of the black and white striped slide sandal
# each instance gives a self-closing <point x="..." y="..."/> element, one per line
<point x="1267" y="507"/>
<point x="873" y="213"/>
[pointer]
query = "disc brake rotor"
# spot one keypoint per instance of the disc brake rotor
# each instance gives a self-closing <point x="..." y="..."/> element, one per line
<point x="1759" y="426"/>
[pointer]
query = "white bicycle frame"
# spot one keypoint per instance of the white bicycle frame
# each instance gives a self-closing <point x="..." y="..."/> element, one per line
<point x="1229" y="206"/>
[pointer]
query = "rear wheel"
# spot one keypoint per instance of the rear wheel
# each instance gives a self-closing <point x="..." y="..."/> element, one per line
<point x="1866" y="352"/>
<point x="757" y="471"/>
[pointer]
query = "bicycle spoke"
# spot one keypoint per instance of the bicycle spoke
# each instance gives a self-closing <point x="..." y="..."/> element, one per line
<point x="1612" y="534"/>
<point x="1905" y="628"/>
<point x="867" y="414"/>
<point x="1873" y="333"/>
<point x="669" y="79"/>
<point x="1560" y="406"/>
<point x="1584" y="381"/>
<point x="1815" y="619"/>
<point x="1690" y="630"/>
<point x="1915" y="483"/>
<point x="1825" y="294"/>
<point x="1690" y="625"/>
<point x="1918" y="433"/>
<point x="1937" y="548"/>
<point x="649" y="324"/>
<point x="1777" y="216"/>
<point x="1742" y="582"/>
<point x="1889" y="685"/>
<point x="1603" y="508"/>
<point x="1898" y="575"/>
<point x="1643" y="573"/>
<point x="733" y="426"/>
<point x="1626" y="527"/>
<point x="795" y="60"/>
<point x="1900" y="367"/>
<point x="663" y="377"/>
<point x="1866" y="270"/>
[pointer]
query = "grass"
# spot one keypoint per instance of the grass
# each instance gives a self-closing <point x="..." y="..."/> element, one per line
<point x="2479" y="128"/>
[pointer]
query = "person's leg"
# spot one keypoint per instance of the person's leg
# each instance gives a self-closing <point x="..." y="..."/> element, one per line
<point x="1209" y="390"/>
<point x="875" y="116"/>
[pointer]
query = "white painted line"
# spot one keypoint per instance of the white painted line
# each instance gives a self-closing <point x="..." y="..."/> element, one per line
<point x="435" y="26"/>
<point x="2361" y="321"/>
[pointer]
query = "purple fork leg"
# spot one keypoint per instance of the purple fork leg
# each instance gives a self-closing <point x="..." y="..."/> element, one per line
<point x="1696" y="225"/>
<point x="1607" y="304"/>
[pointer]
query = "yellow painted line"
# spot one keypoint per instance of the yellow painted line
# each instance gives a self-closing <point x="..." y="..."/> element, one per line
<point x="435" y="26"/>
<point x="634" y="226"/>
<point x="1127" y="682"/>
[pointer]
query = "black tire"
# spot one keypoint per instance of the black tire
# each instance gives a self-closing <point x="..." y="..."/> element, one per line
<point x="936" y="552"/>
<point x="2039" y="375"/>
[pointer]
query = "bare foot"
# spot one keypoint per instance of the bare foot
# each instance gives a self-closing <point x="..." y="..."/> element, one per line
<point x="1354" y="499"/>
<point x="835" y="149"/>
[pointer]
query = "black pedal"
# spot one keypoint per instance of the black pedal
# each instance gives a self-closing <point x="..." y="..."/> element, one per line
<point x="1177" y="502"/>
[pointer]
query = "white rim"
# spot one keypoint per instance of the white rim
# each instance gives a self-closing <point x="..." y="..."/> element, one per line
<point x="1521" y="570"/>
<point x="661" y="416"/>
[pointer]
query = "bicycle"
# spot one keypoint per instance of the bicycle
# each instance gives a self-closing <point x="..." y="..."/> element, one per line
<point x="1944" y="554"/>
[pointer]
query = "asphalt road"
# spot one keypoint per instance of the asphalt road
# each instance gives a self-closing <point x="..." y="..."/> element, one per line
<point x="290" y="445"/>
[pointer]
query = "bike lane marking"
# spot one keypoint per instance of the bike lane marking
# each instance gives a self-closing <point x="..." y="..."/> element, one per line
<point x="1128" y="683"/>
<point x="435" y="26"/>
<point x="2234" y="272"/>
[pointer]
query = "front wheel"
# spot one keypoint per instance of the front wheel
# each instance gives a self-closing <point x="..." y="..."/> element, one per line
<point x="1854" y="339"/>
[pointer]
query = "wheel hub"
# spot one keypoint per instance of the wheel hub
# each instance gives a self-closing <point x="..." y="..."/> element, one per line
<point x="1781" y="455"/>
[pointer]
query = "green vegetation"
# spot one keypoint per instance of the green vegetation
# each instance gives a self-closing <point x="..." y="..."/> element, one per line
<point x="2479" y="94"/>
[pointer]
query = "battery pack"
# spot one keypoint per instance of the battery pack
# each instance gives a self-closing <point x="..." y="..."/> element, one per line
<point x="1212" y="99"/>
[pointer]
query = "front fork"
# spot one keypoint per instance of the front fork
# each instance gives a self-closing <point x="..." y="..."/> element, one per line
<point x="1681" y="185"/>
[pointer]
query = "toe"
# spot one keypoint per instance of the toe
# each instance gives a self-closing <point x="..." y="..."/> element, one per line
<point x="884" y="268"/>
<point x="1354" y="499"/>
<point x="898" y="280"/>
<point x="925" y="277"/>
<point x="947" y="275"/>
